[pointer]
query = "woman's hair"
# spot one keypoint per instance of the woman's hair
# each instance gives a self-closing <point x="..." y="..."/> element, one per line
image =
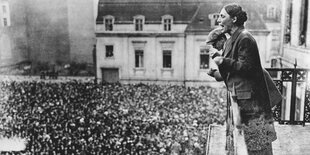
<point x="235" y="10"/>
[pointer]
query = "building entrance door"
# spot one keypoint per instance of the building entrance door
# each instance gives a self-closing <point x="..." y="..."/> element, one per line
<point x="110" y="74"/>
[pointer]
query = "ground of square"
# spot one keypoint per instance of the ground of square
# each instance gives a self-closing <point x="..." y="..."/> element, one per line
<point x="292" y="140"/>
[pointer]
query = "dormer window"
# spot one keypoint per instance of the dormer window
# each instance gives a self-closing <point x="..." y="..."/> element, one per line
<point x="139" y="22"/>
<point x="167" y="22"/>
<point x="271" y="12"/>
<point x="108" y="23"/>
<point x="213" y="19"/>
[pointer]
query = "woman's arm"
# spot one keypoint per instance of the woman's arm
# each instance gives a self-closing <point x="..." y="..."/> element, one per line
<point x="216" y="74"/>
<point x="247" y="60"/>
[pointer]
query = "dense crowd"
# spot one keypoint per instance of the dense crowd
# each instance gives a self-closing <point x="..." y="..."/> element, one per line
<point x="78" y="117"/>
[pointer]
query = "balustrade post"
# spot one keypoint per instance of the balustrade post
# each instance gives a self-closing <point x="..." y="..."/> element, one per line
<point x="293" y="94"/>
<point x="240" y="147"/>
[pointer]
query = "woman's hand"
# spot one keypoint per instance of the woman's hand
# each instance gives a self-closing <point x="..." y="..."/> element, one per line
<point x="218" y="60"/>
<point x="214" y="53"/>
<point x="211" y="72"/>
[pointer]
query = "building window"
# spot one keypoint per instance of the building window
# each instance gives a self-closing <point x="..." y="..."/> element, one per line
<point x="288" y="22"/>
<point x="167" y="21"/>
<point x="109" y="51"/>
<point x="139" y="24"/>
<point x="108" y="22"/>
<point x="5" y="22"/>
<point x="204" y="58"/>
<point x="303" y="22"/>
<point x="4" y="10"/>
<point x="138" y="47"/>
<point x="271" y="12"/>
<point x="167" y="47"/>
<point x="139" y="63"/>
<point x="5" y="14"/>
<point x="274" y="63"/>
<point x="215" y="17"/>
<point x="167" y="58"/>
<point x="167" y="24"/>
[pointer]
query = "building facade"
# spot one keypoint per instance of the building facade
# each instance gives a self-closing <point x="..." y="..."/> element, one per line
<point x="270" y="12"/>
<point x="155" y="41"/>
<point x="13" y="34"/>
<point x="295" y="52"/>
<point x="55" y="32"/>
<point x="296" y="34"/>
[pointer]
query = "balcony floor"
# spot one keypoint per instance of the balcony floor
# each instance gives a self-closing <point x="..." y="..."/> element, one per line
<point x="292" y="140"/>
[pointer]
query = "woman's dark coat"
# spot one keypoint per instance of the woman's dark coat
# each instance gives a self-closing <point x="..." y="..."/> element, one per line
<point x="241" y="70"/>
<point x="244" y="76"/>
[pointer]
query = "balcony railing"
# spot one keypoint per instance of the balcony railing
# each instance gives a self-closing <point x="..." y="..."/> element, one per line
<point x="293" y="83"/>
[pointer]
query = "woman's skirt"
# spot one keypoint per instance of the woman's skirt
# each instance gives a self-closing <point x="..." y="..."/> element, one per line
<point x="258" y="127"/>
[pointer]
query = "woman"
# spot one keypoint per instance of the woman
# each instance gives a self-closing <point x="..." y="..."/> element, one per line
<point x="240" y="68"/>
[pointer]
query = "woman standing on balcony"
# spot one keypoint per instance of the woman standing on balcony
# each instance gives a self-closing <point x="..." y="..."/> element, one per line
<point x="240" y="68"/>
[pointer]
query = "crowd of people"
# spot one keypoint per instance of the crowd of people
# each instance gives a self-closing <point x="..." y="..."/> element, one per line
<point x="79" y="117"/>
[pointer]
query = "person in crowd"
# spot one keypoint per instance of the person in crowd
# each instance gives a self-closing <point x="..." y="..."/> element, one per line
<point x="240" y="68"/>
<point x="108" y="118"/>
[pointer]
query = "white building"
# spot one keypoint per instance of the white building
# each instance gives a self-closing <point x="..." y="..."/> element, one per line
<point x="295" y="52"/>
<point x="296" y="33"/>
<point x="162" y="41"/>
<point x="13" y="42"/>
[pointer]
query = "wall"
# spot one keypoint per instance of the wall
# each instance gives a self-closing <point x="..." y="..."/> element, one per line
<point x="185" y="56"/>
<point x="13" y="38"/>
<point x="123" y="37"/>
<point x="301" y="54"/>
<point x="47" y="28"/>
<point x="263" y="40"/>
<point x="147" y="28"/>
<point x="294" y="51"/>
<point x="49" y="31"/>
<point x="117" y="61"/>
<point x="81" y="27"/>
<point x="124" y="58"/>
<point x="193" y="71"/>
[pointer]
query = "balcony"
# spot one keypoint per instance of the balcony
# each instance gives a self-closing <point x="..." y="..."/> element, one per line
<point x="293" y="83"/>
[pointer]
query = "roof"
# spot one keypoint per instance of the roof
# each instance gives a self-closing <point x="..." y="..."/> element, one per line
<point x="201" y="21"/>
<point x="153" y="11"/>
<point x="193" y="13"/>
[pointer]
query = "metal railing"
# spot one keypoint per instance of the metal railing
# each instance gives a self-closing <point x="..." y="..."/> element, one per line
<point x="293" y="83"/>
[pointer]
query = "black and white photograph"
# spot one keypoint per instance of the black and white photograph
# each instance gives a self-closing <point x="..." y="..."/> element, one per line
<point x="154" y="77"/>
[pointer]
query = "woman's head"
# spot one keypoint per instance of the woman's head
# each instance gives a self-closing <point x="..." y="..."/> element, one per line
<point x="231" y="16"/>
